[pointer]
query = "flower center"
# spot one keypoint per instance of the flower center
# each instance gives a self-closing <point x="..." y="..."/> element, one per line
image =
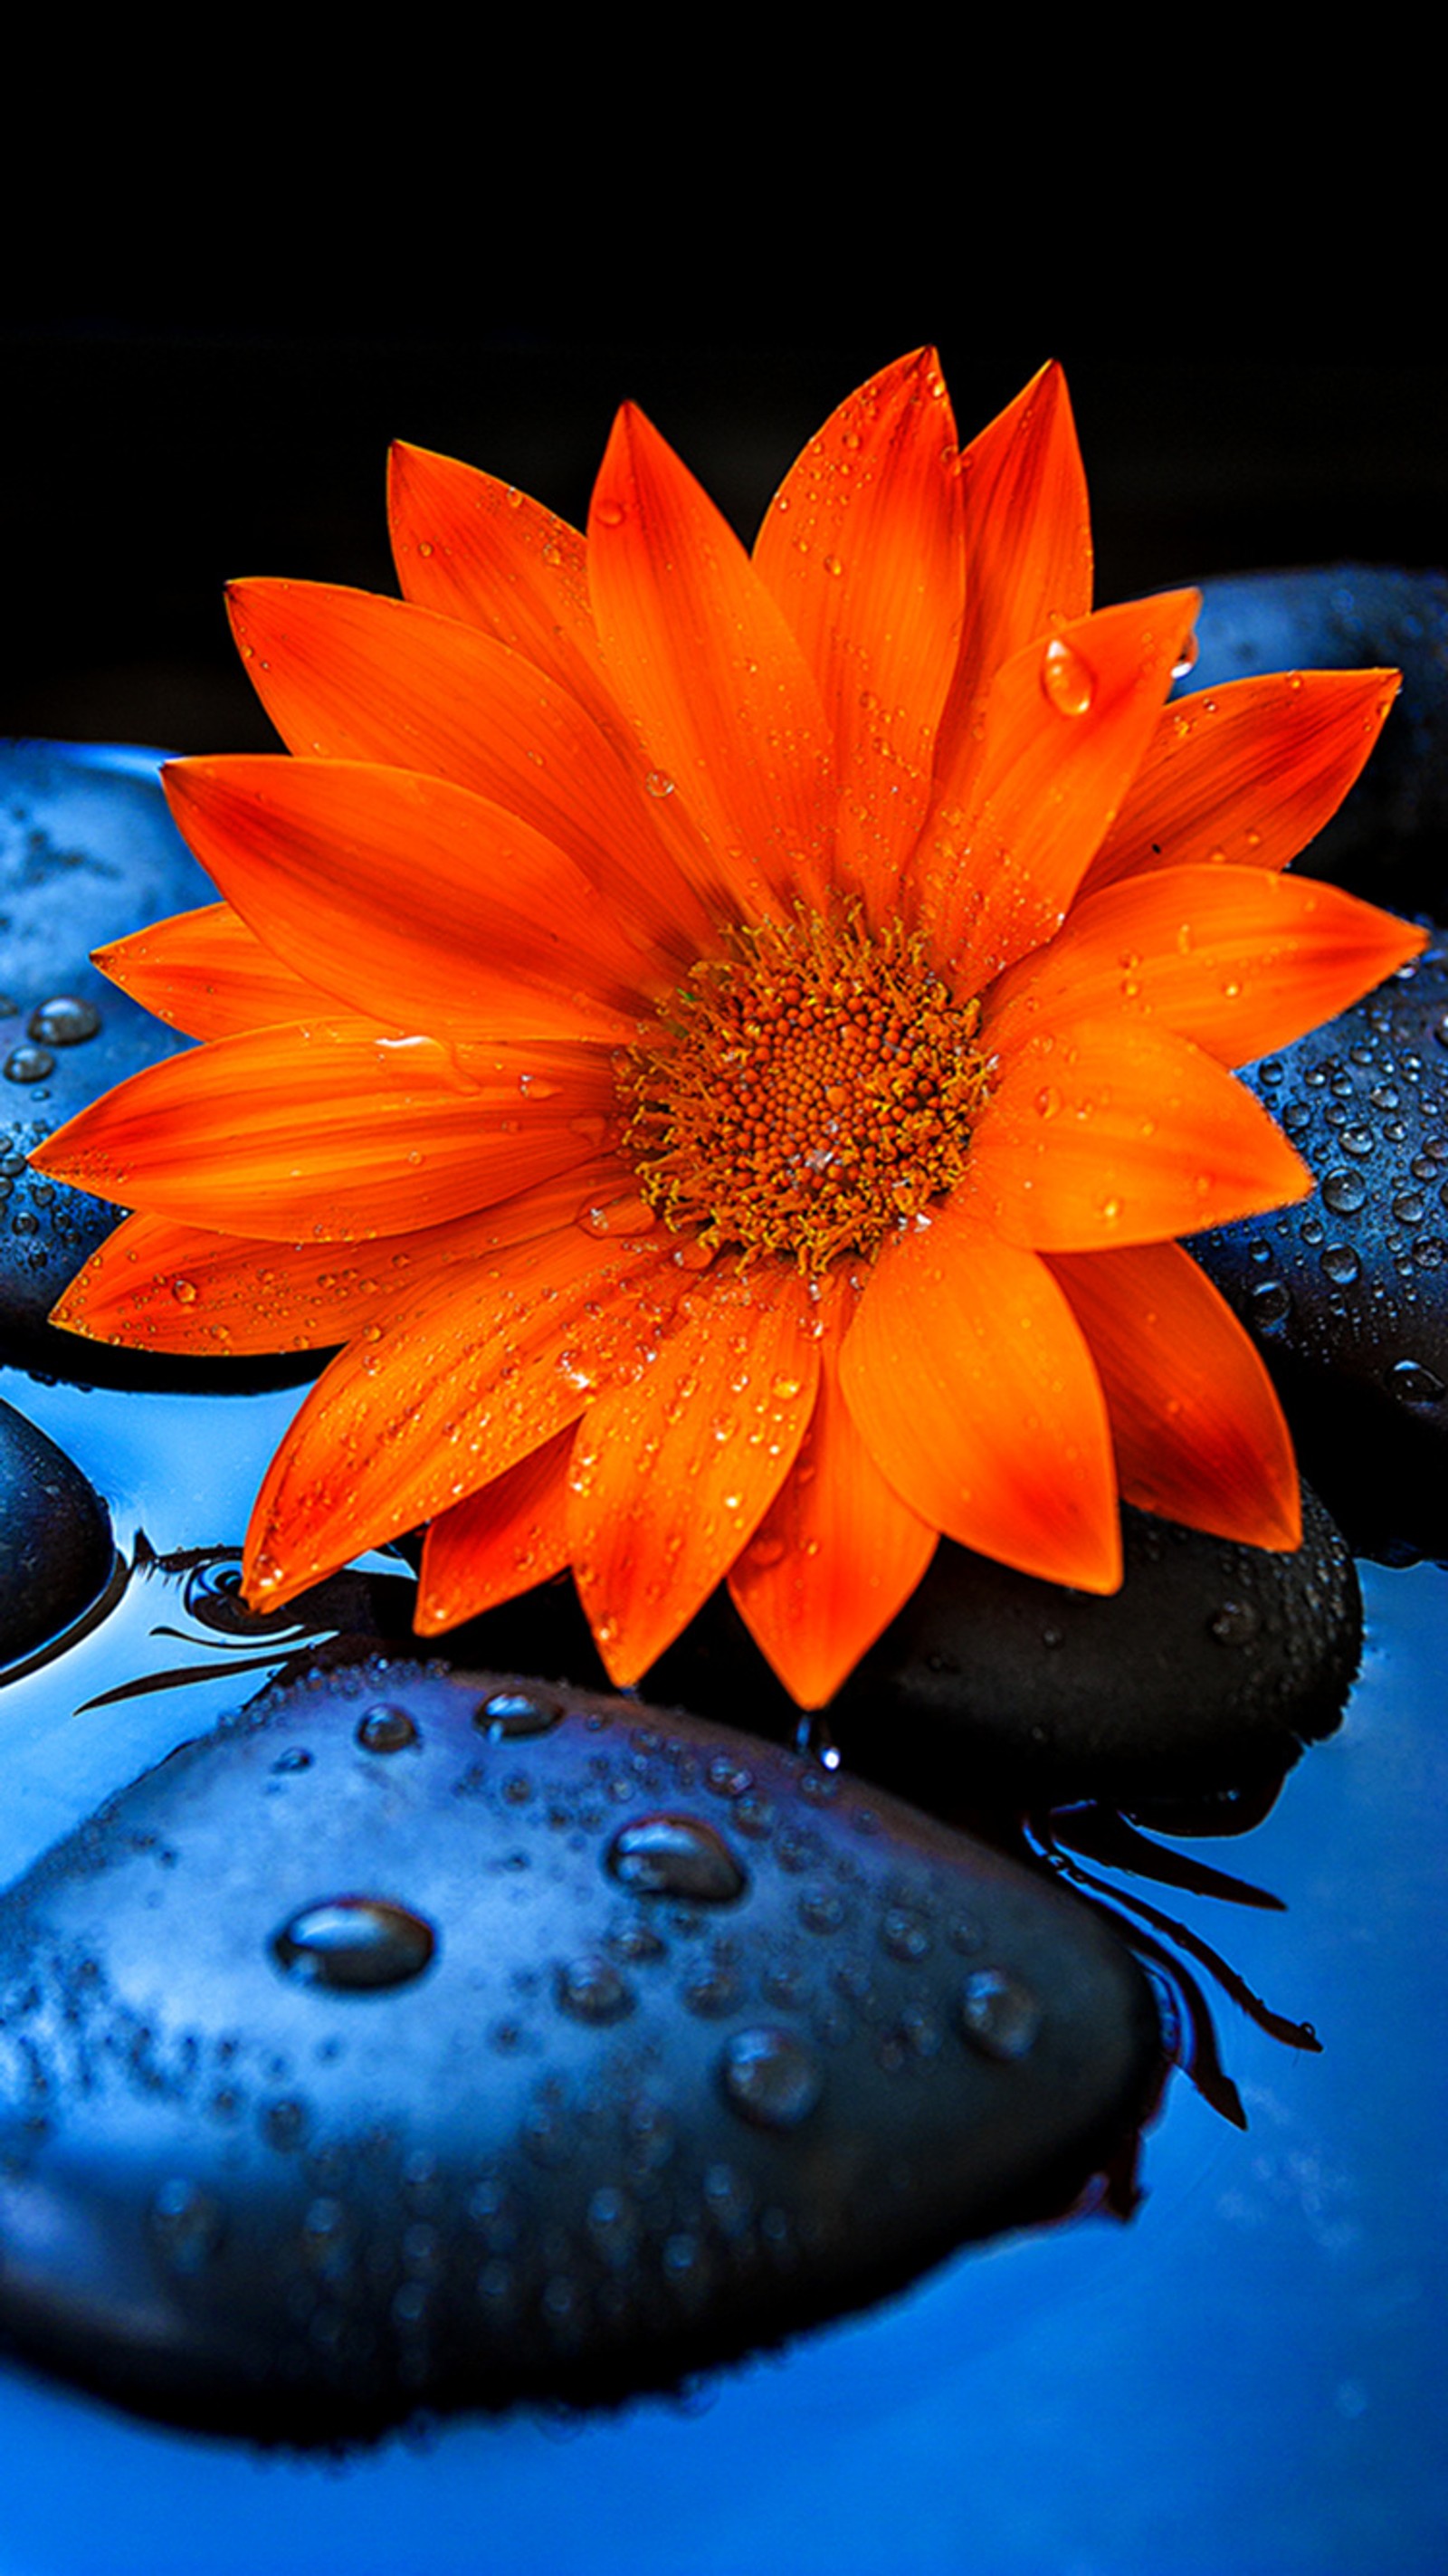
<point x="807" y="1094"/>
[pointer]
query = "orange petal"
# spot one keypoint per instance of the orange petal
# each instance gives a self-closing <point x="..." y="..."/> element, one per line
<point x="836" y="1554"/>
<point x="497" y="1543"/>
<point x="477" y="549"/>
<point x="470" y="1376"/>
<point x="974" y="1391"/>
<point x="1198" y="1429"/>
<point x="206" y="973"/>
<point x="158" y="1285"/>
<point x="1236" y="959"/>
<point x="1246" y="773"/>
<point x="673" y="1471"/>
<point x="334" y="1129"/>
<point x="862" y="549"/>
<point x="410" y="898"/>
<point x="703" y="661"/>
<point x="1067" y="724"/>
<point x="1028" y="545"/>
<point x="1108" y="1132"/>
<point x="345" y="676"/>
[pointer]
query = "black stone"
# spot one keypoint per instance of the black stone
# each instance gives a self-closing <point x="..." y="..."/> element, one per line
<point x="55" y="1539"/>
<point x="337" y="2083"/>
<point x="1389" y="839"/>
<point x="1346" y="1293"/>
<point x="1209" y="1670"/>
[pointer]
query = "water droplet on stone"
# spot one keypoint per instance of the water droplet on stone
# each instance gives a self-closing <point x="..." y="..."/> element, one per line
<point x="676" y="1856"/>
<point x="1341" y="1264"/>
<point x="65" y="1021"/>
<point x="1066" y="678"/>
<point x="512" y="1713"/>
<point x="1344" y="1192"/>
<point x="592" y="1990"/>
<point x="998" y="2013"/>
<point x="186" y="2226"/>
<point x="771" y="2077"/>
<point x="1414" y="1384"/>
<point x="1234" y="1624"/>
<point x="1271" y="1303"/>
<point x="385" y="1729"/>
<point x="28" y="1064"/>
<point x="355" y="1944"/>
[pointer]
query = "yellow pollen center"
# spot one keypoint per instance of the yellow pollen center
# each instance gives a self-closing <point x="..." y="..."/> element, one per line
<point x="807" y="1095"/>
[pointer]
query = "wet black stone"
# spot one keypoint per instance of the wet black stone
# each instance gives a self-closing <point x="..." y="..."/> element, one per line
<point x="244" y="2186"/>
<point x="1346" y="1293"/>
<point x="990" y="1684"/>
<point x="88" y="853"/>
<point x="55" y="1539"/>
<point x="1389" y="839"/>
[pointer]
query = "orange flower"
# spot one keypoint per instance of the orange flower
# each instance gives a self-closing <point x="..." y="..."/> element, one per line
<point x="725" y="1042"/>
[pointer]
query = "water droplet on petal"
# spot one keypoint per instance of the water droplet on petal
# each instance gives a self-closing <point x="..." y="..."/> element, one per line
<point x="1066" y="678"/>
<point x="1344" y="1192"/>
<point x="676" y="1856"/>
<point x="28" y="1064"/>
<point x="1235" y="1624"/>
<point x="658" y="783"/>
<point x="186" y="2226"/>
<point x="1340" y="1263"/>
<point x="1414" y="1384"/>
<point x="355" y="1944"/>
<point x="772" y="2077"/>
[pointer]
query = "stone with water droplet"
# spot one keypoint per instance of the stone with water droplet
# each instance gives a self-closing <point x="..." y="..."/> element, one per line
<point x="332" y="2087"/>
<point x="1361" y="1267"/>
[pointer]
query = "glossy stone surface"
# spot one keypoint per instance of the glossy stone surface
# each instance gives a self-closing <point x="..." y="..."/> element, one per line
<point x="55" y="1538"/>
<point x="1389" y="840"/>
<point x="341" y="2076"/>
<point x="1347" y="1292"/>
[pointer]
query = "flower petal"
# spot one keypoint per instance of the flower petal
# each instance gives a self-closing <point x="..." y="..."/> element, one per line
<point x="863" y="550"/>
<point x="1066" y="726"/>
<point x="673" y="1471"/>
<point x="159" y="1285"/>
<point x="206" y="973"/>
<point x="837" y="1553"/>
<point x="1028" y="546"/>
<point x="477" y="549"/>
<point x="703" y="662"/>
<point x="346" y="676"/>
<point x="472" y="1375"/>
<point x="1108" y="1132"/>
<point x="410" y="898"/>
<point x="335" y="1129"/>
<point x="1236" y="959"/>
<point x="972" y="1386"/>
<point x="1199" y="1433"/>
<point x="1246" y="773"/>
<point x="497" y="1543"/>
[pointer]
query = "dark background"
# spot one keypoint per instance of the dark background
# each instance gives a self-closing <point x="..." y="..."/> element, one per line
<point x="151" y="452"/>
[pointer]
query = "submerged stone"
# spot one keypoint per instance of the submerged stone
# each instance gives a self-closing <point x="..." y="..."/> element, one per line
<point x="1388" y="839"/>
<point x="1346" y="1293"/>
<point x="336" y="2083"/>
<point x="55" y="1539"/>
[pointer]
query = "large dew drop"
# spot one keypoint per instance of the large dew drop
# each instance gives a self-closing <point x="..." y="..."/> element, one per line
<point x="355" y="1944"/>
<point x="676" y="1856"/>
